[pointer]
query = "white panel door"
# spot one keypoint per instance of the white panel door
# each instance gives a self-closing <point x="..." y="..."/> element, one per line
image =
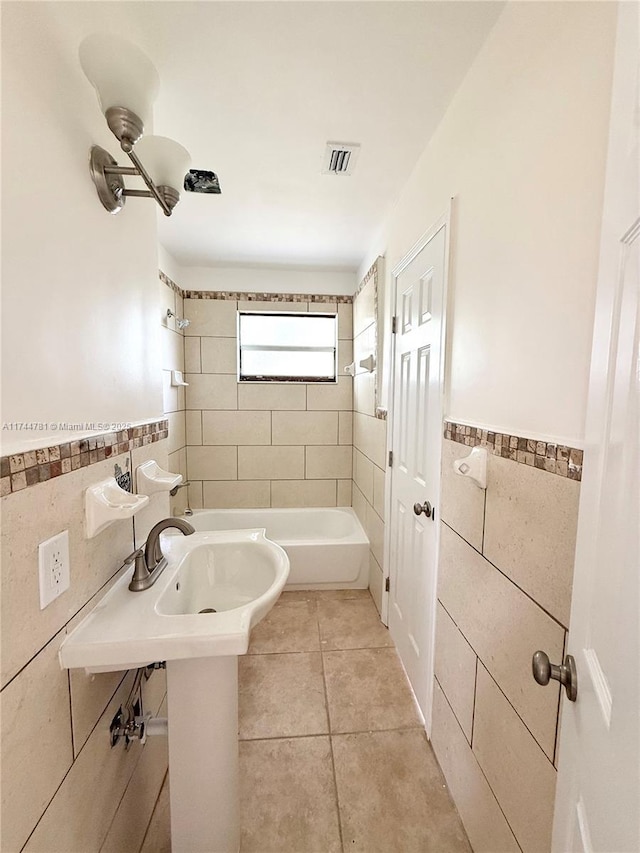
<point x="416" y="445"/>
<point x="598" y="793"/>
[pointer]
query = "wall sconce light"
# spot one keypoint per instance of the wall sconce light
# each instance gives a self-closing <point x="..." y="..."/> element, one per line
<point x="127" y="84"/>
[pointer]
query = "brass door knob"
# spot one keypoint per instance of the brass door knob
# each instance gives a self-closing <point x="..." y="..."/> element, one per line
<point x="565" y="673"/>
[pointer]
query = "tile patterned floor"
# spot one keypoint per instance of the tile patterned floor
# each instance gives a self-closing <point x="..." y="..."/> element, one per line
<point x="333" y="756"/>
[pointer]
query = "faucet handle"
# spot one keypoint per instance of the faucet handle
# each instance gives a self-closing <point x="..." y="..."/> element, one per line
<point x="132" y="557"/>
<point x="141" y="573"/>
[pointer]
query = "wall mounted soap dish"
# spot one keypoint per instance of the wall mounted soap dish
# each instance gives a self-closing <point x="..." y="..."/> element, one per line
<point x="151" y="478"/>
<point x="474" y="466"/>
<point x="105" y="502"/>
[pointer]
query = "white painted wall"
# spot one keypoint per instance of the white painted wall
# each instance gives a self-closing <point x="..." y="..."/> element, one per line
<point x="79" y="287"/>
<point x="268" y="280"/>
<point x="522" y="148"/>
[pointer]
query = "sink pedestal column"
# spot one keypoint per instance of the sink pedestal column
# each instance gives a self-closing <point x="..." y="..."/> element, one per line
<point x="202" y="695"/>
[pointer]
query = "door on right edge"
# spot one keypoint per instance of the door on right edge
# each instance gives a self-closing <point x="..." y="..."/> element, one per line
<point x="598" y="793"/>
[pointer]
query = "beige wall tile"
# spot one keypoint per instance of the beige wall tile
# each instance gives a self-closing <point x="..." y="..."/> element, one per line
<point x="462" y="502"/>
<point x="211" y="317"/>
<point x="325" y="462"/>
<point x="304" y="428"/>
<point x="196" y="500"/>
<point x="345" y="427"/>
<point x="378" y="490"/>
<point x="167" y="303"/>
<point x="129" y="825"/>
<point x="173" y="397"/>
<point x="211" y="391"/>
<point x="323" y="307"/>
<point x="364" y="308"/>
<point x="370" y="437"/>
<point x="177" y="431"/>
<point x="345" y="321"/>
<point x="344" y="493"/>
<point x="364" y="393"/>
<point x="192" y="356"/>
<point x="178" y="464"/>
<point x="508" y="754"/>
<point x="359" y="504"/>
<point x="193" y="422"/>
<point x="228" y="494"/>
<point x="36" y="743"/>
<point x="250" y="305"/>
<point x="31" y="516"/>
<point x="158" y="837"/>
<point x="376" y="581"/>
<point x="272" y="396"/>
<point x="172" y="350"/>
<point x="375" y="532"/>
<point x="331" y="397"/>
<point x="455" y="669"/>
<point x="483" y="821"/>
<point x="530" y="531"/>
<point x="79" y="816"/>
<point x="270" y="463"/>
<point x="236" y="427"/>
<point x="212" y="463"/>
<point x="504" y="627"/>
<point x="219" y="355"/>
<point x="363" y="474"/>
<point x="293" y="493"/>
<point x="345" y="355"/>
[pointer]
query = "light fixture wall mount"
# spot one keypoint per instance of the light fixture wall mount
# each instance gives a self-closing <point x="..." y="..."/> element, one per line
<point x="133" y="79"/>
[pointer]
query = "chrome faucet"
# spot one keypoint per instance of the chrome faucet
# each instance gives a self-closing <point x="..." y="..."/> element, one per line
<point x="149" y="560"/>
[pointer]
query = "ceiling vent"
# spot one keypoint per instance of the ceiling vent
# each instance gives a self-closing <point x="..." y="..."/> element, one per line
<point x="340" y="158"/>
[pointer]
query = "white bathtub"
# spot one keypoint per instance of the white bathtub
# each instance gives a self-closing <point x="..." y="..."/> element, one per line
<point x="327" y="548"/>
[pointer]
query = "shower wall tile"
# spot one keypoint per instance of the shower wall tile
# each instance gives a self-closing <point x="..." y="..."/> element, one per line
<point x="228" y="494"/>
<point x="504" y="627"/>
<point x="219" y="355"/>
<point x="455" y="668"/>
<point x="338" y="397"/>
<point x="379" y="491"/>
<point x="370" y="437"/>
<point x="344" y="493"/>
<point x="504" y="748"/>
<point x="230" y="428"/>
<point x="530" y="531"/>
<point x="283" y="305"/>
<point x="483" y="820"/>
<point x="326" y="462"/>
<point x="193" y="423"/>
<point x="35" y="734"/>
<point x="214" y="463"/>
<point x="270" y="463"/>
<point x="363" y="474"/>
<point x="211" y="391"/>
<point x="345" y="427"/>
<point x="376" y="581"/>
<point x="293" y="493"/>
<point x="461" y="501"/>
<point x="305" y="428"/>
<point x="272" y="396"/>
<point x="177" y="431"/>
<point x="193" y="356"/>
<point x="211" y="317"/>
<point x="345" y="321"/>
<point x="159" y="503"/>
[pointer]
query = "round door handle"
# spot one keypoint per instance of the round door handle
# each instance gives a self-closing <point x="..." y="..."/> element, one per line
<point x="425" y="508"/>
<point x="566" y="673"/>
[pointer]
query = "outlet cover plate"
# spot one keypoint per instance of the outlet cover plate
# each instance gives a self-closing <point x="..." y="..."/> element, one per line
<point x="53" y="565"/>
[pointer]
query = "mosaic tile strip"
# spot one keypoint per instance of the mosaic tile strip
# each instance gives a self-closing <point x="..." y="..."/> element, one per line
<point x="234" y="295"/>
<point x="22" y="470"/>
<point x="164" y="278"/>
<point x="372" y="272"/>
<point x="555" y="458"/>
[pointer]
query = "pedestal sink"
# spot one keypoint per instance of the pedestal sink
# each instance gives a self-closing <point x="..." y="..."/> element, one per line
<point x="197" y="617"/>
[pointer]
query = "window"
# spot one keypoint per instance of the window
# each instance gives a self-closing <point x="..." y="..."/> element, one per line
<point x="278" y="346"/>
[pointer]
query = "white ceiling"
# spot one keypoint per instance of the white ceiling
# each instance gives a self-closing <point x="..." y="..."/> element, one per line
<point x="255" y="90"/>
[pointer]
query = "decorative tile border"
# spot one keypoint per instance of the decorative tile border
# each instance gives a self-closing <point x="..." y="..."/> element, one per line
<point x="555" y="458"/>
<point x="164" y="278"/>
<point x="22" y="470"/>
<point x="235" y="295"/>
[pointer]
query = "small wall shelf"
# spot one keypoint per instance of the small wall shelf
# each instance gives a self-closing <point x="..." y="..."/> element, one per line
<point x="177" y="378"/>
<point x="151" y="478"/>
<point x="106" y="502"/>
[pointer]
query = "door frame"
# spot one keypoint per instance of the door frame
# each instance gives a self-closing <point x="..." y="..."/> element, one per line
<point x="443" y="221"/>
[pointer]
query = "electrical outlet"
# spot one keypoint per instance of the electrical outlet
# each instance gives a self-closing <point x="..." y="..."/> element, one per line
<point x="53" y="563"/>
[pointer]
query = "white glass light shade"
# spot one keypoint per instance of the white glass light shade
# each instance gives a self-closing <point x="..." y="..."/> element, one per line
<point x="166" y="161"/>
<point x="121" y="73"/>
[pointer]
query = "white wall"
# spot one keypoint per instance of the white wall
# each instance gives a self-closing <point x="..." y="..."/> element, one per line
<point x="522" y="149"/>
<point x="268" y="280"/>
<point x="79" y="286"/>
